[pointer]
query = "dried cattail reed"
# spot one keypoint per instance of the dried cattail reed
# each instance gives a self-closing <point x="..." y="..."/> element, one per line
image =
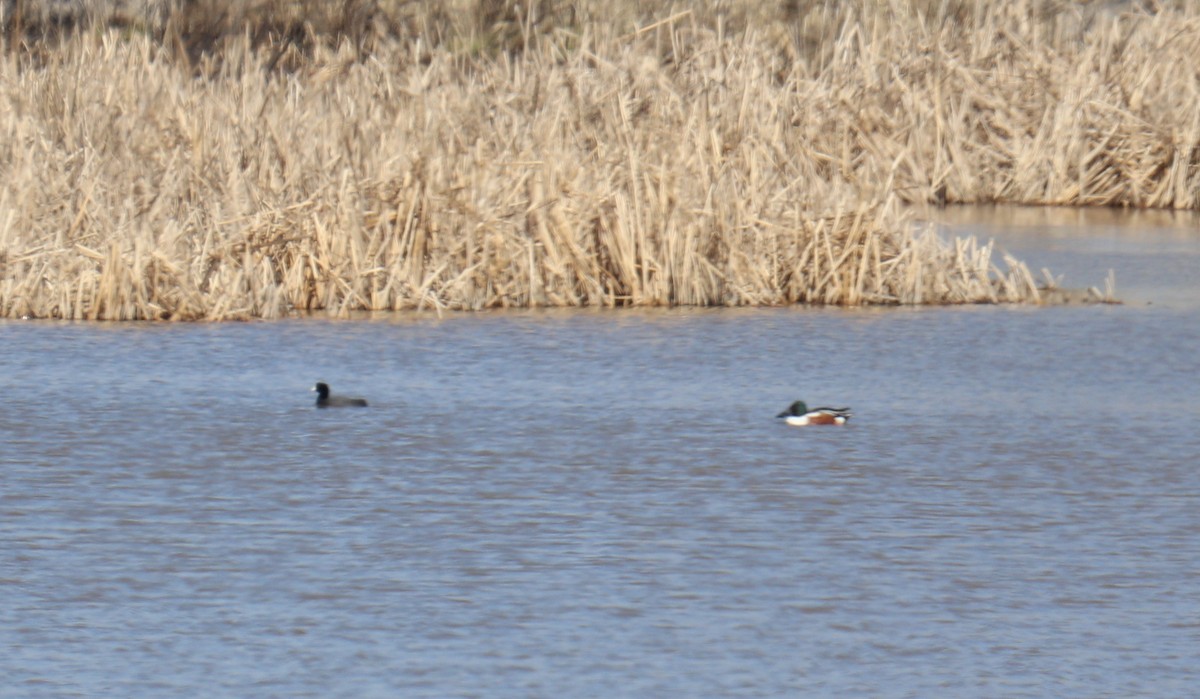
<point x="754" y="158"/>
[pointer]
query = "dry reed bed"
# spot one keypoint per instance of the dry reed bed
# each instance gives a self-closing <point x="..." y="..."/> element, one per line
<point x="1012" y="109"/>
<point x="675" y="166"/>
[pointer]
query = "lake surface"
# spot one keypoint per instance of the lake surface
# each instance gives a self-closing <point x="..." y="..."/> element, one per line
<point x="585" y="504"/>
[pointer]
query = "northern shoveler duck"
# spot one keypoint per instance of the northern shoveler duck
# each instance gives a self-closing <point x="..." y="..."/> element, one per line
<point x="324" y="400"/>
<point x="798" y="414"/>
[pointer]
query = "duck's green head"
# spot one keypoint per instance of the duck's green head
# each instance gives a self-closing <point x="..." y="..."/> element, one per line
<point x="796" y="408"/>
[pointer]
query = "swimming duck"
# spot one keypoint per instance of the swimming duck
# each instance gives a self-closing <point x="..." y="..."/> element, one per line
<point x="324" y="400"/>
<point x="798" y="414"/>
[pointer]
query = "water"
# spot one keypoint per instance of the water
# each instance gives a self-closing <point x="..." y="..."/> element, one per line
<point x="581" y="504"/>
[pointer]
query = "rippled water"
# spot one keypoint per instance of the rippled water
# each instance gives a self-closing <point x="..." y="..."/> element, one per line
<point x="590" y="504"/>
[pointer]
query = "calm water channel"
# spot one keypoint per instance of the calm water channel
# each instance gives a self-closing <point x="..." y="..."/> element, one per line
<point x="587" y="504"/>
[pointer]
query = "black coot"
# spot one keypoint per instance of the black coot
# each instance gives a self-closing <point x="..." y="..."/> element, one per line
<point x="324" y="400"/>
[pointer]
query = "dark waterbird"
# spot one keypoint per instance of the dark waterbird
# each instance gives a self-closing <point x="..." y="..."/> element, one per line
<point x="324" y="400"/>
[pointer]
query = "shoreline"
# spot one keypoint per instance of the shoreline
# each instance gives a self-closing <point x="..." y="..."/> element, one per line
<point x="677" y="164"/>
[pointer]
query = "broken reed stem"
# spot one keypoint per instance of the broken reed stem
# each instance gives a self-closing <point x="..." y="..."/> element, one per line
<point x="682" y="163"/>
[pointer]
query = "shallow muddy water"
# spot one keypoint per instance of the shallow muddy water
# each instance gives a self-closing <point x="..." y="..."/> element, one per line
<point x="582" y="504"/>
